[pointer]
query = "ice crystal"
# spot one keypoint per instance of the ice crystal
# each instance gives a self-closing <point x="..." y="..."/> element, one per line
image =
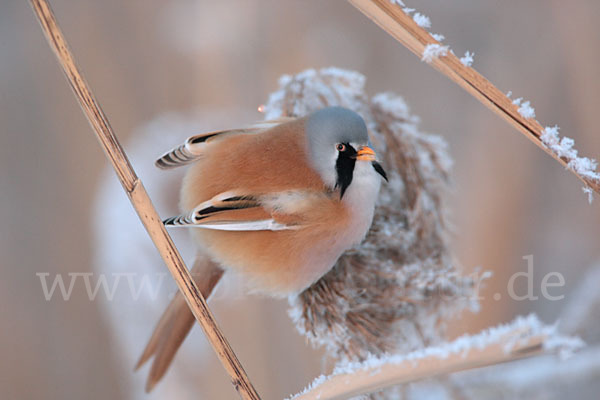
<point x="438" y="36"/>
<point x="433" y="51"/>
<point x="422" y="20"/>
<point x="467" y="59"/>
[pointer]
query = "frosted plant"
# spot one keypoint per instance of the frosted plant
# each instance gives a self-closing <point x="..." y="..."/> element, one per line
<point x="521" y="336"/>
<point x="394" y="291"/>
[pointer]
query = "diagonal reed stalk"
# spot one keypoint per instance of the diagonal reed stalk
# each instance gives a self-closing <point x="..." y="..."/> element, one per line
<point x="404" y="29"/>
<point x="371" y="379"/>
<point x="141" y="201"/>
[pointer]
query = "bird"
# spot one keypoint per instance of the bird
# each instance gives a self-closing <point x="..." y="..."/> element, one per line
<point x="277" y="202"/>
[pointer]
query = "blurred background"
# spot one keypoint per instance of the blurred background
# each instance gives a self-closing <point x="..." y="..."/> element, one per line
<point x="185" y="66"/>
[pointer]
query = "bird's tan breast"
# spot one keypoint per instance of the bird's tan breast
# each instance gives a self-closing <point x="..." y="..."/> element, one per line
<point x="278" y="262"/>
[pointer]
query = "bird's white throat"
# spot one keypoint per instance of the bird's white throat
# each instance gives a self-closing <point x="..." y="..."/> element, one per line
<point x="361" y="195"/>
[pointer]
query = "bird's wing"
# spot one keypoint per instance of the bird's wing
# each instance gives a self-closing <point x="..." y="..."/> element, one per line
<point x="236" y="211"/>
<point x="194" y="146"/>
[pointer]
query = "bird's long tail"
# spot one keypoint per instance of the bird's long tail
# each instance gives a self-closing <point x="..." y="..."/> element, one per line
<point x="176" y="322"/>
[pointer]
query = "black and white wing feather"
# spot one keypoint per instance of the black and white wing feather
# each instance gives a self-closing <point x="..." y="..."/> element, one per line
<point x="193" y="148"/>
<point x="230" y="212"/>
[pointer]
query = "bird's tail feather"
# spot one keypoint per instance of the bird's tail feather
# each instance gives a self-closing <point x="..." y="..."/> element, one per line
<point x="176" y="322"/>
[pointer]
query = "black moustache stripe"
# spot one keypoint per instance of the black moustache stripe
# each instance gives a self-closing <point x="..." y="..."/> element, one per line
<point x="344" y="167"/>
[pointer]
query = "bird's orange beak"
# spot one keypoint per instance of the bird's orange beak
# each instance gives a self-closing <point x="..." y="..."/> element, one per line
<point x="365" y="153"/>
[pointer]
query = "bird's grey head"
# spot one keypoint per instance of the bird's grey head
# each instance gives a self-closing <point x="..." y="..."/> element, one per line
<point x="337" y="138"/>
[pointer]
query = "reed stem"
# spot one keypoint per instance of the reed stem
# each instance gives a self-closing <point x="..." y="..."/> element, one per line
<point x="141" y="201"/>
<point x="404" y="29"/>
<point x="371" y="379"/>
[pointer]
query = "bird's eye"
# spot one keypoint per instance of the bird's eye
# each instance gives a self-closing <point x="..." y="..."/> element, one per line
<point x="340" y="147"/>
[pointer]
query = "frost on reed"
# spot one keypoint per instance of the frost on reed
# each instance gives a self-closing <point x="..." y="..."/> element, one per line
<point x="410" y="36"/>
<point x="563" y="147"/>
<point x="541" y="377"/>
<point x="523" y="336"/>
<point x="433" y="51"/>
<point x="394" y="291"/>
